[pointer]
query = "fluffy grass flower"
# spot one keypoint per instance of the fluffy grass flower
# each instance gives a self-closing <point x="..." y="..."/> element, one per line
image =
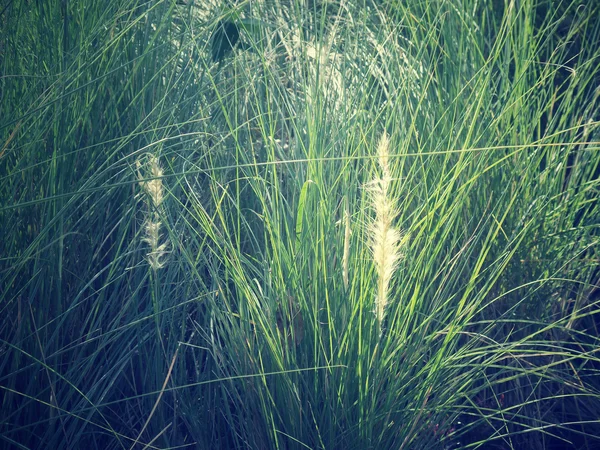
<point x="154" y="199"/>
<point x="385" y="240"/>
<point x="153" y="187"/>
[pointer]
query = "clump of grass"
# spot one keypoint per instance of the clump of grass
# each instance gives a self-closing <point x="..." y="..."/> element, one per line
<point x="493" y="108"/>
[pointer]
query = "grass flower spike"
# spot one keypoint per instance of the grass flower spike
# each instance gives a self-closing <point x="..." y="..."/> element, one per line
<point x="385" y="239"/>
<point x="154" y="187"/>
<point x="154" y="191"/>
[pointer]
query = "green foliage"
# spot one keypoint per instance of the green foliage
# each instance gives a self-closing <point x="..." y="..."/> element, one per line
<point x="185" y="255"/>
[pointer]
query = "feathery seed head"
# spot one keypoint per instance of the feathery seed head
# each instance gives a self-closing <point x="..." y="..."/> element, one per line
<point x="154" y="189"/>
<point x="385" y="240"/>
<point x="157" y="250"/>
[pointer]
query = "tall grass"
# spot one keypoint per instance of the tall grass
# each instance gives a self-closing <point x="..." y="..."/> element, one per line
<point x="194" y="245"/>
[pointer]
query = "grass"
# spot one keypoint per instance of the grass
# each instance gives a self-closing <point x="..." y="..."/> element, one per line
<point x="208" y="247"/>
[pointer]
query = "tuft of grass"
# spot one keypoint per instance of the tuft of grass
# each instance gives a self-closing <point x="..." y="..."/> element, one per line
<point x="189" y="257"/>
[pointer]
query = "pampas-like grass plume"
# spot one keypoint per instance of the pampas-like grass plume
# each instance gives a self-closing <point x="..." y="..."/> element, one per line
<point x="384" y="238"/>
<point x="154" y="191"/>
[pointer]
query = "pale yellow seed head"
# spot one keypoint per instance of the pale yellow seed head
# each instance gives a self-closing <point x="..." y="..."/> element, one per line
<point x="154" y="189"/>
<point x="385" y="239"/>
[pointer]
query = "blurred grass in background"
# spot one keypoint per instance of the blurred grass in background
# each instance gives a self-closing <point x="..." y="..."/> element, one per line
<point x="187" y="224"/>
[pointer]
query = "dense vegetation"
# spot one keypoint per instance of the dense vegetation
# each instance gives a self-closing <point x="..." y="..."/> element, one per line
<point x="288" y="224"/>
